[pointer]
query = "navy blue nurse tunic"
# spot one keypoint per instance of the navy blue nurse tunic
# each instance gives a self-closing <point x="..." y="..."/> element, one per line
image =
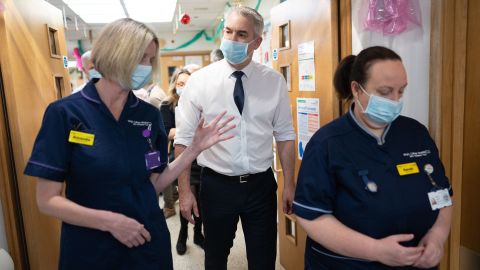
<point x="331" y="181"/>
<point x="109" y="175"/>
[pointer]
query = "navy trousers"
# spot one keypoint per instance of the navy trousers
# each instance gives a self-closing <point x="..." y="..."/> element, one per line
<point x="253" y="200"/>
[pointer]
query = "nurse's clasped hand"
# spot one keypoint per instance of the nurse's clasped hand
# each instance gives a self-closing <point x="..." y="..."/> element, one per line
<point x="127" y="230"/>
<point x="390" y="252"/>
<point x="433" y="252"/>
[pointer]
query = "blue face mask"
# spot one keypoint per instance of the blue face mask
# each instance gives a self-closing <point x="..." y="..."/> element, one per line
<point x="234" y="52"/>
<point x="141" y="76"/>
<point x="381" y="111"/>
<point x="179" y="90"/>
<point x="93" y="73"/>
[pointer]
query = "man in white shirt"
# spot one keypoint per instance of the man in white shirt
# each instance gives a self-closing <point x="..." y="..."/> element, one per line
<point x="87" y="65"/>
<point x="237" y="181"/>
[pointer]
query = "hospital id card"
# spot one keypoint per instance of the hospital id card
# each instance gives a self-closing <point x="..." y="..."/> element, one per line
<point x="439" y="199"/>
<point x="152" y="160"/>
<point x="81" y="137"/>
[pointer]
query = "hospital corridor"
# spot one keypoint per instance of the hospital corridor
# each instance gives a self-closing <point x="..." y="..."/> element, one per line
<point x="239" y="134"/>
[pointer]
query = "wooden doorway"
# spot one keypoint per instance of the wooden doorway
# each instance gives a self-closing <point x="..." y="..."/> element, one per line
<point x="171" y="61"/>
<point x="313" y="23"/>
<point x="32" y="42"/>
<point x="454" y="122"/>
<point x="9" y="194"/>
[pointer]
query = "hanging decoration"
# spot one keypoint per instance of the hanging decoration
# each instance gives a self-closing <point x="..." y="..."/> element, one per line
<point x="392" y="17"/>
<point x="185" y="18"/>
<point x="80" y="47"/>
<point x="203" y="33"/>
<point x="78" y="57"/>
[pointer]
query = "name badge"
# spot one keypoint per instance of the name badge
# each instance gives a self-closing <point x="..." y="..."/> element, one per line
<point x="407" y="168"/>
<point x="81" y="137"/>
<point x="439" y="199"/>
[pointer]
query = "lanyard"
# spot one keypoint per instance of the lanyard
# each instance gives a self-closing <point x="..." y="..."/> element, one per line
<point x="428" y="169"/>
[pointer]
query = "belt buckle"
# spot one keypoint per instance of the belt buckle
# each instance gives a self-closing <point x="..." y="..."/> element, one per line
<point x="241" y="177"/>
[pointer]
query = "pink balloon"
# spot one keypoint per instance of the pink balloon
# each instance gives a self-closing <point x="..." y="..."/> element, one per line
<point x="392" y="17"/>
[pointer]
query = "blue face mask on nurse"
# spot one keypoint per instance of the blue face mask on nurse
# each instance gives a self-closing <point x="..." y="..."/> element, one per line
<point x="379" y="103"/>
<point x="380" y="110"/>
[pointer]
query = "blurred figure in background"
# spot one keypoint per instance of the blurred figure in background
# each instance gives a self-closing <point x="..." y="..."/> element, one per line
<point x="179" y="79"/>
<point x="87" y="70"/>
<point x="216" y="55"/>
<point x="192" y="68"/>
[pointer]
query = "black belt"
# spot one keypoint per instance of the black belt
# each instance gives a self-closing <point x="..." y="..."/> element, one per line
<point x="245" y="178"/>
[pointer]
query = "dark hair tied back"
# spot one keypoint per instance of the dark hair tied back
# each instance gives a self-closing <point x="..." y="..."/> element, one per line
<point x="355" y="68"/>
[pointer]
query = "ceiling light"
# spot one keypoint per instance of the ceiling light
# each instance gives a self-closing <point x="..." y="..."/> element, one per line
<point x="97" y="11"/>
<point x="151" y="11"/>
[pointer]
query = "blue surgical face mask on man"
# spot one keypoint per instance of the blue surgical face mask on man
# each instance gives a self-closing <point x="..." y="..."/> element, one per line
<point x="381" y="111"/>
<point x="94" y="74"/>
<point x="141" y="76"/>
<point x="234" y="52"/>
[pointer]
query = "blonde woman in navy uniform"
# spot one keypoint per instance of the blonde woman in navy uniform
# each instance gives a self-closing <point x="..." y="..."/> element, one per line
<point x="109" y="149"/>
<point x="372" y="192"/>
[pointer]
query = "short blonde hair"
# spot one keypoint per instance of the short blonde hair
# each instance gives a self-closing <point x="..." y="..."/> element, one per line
<point x="120" y="48"/>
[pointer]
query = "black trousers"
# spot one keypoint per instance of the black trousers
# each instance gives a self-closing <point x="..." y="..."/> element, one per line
<point x="225" y="200"/>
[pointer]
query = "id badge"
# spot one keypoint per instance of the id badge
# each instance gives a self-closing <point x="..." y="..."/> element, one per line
<point x="152" y="160"/>
<point x="439" y="199"/>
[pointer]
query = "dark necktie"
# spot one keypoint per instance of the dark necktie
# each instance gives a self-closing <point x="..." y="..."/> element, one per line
<point x="238" y="93"/>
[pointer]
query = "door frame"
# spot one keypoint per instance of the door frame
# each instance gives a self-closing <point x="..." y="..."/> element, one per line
<point x="448" y="45"/>
<point x="9" y="193"/>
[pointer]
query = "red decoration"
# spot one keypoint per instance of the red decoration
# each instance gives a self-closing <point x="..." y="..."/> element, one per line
<point x="185" y="19"/>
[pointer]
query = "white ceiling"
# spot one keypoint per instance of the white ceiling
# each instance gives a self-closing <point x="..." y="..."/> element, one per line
<point x="204" y="14"/>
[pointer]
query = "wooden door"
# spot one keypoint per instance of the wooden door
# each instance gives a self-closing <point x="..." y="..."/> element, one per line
<point x="32" y="46"/>
<point x="171" y="61"/>
<point x="294" y="24"/>
<point x="470" y="201"/>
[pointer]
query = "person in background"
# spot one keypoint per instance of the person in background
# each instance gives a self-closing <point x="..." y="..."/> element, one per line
<point x="179" y="79"/>
<point x="192" y="68"/>
<point x="156" y="96"/>
<point x="237" y="179"/>
<point x="372" y="192"/>
<point x="216" y="55"/>
<point x="87" y="70"/>
<point x="167" y="108"/>
<point x="109" y="150"/>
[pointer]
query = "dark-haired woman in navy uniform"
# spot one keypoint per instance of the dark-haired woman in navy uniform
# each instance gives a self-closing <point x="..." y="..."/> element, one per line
<point x="372" y="192"/>
<point x="109" y="149"/>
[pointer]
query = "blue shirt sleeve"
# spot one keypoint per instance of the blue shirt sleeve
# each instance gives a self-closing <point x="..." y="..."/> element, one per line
<point x="315" y="192"/>
<point x="50" y="155"/>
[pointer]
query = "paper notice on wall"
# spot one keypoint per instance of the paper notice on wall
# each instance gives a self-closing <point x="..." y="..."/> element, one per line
<point x="306" y="66"/>
<point x="308" y="121"/>
<point x="194" y="59"/>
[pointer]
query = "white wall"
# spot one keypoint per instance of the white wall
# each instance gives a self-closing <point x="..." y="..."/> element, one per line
<point x="264" y="8"/>
<point x="3" y="235"/>
<point x="181" y="37"/>
<point x="414" y="48"/>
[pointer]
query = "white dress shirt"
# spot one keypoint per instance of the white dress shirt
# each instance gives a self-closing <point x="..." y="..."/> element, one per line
<point x="266" y="113"/>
